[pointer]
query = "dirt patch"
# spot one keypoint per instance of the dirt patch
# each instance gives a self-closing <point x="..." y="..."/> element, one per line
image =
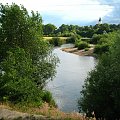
<point x="70" y="50"/>
<point x="83" y="52"/>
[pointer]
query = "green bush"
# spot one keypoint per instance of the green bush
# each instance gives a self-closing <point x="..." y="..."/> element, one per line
<point x="101" y="90"/>
<point x="86" y="49"/>
<point x="16" y="84"/>
<point x="77" y="42"/>
<point x="47" y="97"/>
<point x="95" y="39"/>
<point x="99" y="49"/>
<point x="72" y="39"/>
<point x="82" y="45"/>
<point x="56" y="41"/>
<point x="86" y="40"/>
<point x="66" y="34"/>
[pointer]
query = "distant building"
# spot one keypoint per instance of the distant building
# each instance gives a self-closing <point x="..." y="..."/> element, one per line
<point x="100" y="21"/>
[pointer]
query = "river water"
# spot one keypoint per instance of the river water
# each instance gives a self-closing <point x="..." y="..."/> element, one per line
<point x="67" y="84"/>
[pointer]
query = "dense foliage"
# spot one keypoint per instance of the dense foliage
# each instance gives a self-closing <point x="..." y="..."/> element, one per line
<point x="81" y="44"/>
<point x="101" y="91"/>
<point x="103" y="42"/>
<point x="73" y="39"/>
<point x="56" y="41"/>
<point x="26" y="61"/>
<point x="49" y="29"/>
<point x="83" y="31"/>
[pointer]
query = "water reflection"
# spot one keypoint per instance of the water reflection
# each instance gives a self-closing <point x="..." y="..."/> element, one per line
<point x="71" y="73"/>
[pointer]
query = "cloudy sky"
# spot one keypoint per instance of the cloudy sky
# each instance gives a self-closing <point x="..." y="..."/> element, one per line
<point x="81" y="12"/>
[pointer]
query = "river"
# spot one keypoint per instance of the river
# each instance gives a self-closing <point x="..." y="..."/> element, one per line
<point x="67" y="84"/>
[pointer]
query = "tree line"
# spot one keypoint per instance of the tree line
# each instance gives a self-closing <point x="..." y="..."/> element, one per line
<point x="83" y="31"/>
<point x="82" y="36"/>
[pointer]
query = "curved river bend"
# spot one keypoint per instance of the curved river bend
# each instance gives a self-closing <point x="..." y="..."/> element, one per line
<point x="67" y="84"/>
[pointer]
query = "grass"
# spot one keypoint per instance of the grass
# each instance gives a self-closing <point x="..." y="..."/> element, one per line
<point x="48" y="38"/>
<point x="44" y="110"/>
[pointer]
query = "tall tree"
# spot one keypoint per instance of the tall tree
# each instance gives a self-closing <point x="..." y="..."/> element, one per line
<point x="49" y="29"/>
<point x="22" y="33"/>
<point x="101" y="92"/>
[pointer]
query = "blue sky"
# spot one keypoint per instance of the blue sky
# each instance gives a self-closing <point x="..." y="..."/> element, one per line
<point x="80" y="12"/>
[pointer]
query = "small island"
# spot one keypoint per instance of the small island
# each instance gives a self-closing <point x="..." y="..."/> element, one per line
<point x="83" y="52"/>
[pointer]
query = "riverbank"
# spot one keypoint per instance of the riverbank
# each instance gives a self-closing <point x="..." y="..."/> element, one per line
<point x="44" y="112"/>
<point x="83" y="52"/>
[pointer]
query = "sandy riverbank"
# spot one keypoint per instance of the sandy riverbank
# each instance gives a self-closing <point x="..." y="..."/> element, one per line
<point x="83" y="52"/>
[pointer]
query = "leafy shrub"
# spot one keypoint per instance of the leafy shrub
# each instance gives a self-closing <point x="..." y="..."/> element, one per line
<point x="70" y="40"/>
<point x="86" y="40"/>
<point x="101" y="90"/>
<point x="73" y="39"/>
<point x="56" y="41"/>
<point x="99" y="49"/>
<point x="16" y="84"/>
<point x="82" y="45"/>
<point x="95" y="39"/>
<point x="47" y="97"/>
<point x="66" y="34"/>
<point x="86" y="49"/>
<point x="77" y="43"/>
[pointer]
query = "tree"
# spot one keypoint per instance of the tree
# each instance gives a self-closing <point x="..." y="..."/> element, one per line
<point x="56" y="41"/>
<point x="103" y="42"/>
<point x="95" y="39"/>
<point x="16" y="81"/>
<point x="18" y="28"/>
<point x="101" y="91"/>
<point x="49" y="29"/>
<point x="21" y="38"/>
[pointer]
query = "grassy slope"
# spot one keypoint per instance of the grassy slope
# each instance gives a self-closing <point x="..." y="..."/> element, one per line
<point x="45" y="110"/>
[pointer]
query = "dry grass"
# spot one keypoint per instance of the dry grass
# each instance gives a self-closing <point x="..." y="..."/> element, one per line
<point x="48" y="38"/>
<point x="55" y="113"/>
<point x="46" y="110"/>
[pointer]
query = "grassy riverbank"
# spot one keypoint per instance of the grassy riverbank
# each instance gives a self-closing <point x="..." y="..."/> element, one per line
<point x="44" y="112"/>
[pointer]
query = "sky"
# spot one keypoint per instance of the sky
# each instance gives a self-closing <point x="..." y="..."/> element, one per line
<point x="77" y="12"/>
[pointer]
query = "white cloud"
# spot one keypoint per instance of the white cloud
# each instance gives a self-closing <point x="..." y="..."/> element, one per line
<point x="67" y="10"/>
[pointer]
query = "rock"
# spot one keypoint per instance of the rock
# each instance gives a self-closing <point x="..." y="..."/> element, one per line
<point x="6" y="114"/>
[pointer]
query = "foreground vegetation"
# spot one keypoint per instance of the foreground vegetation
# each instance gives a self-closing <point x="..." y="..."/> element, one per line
<point x="101" y="91"/>
<point x="48" y="112"/>
<point x="26" y="60"/>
